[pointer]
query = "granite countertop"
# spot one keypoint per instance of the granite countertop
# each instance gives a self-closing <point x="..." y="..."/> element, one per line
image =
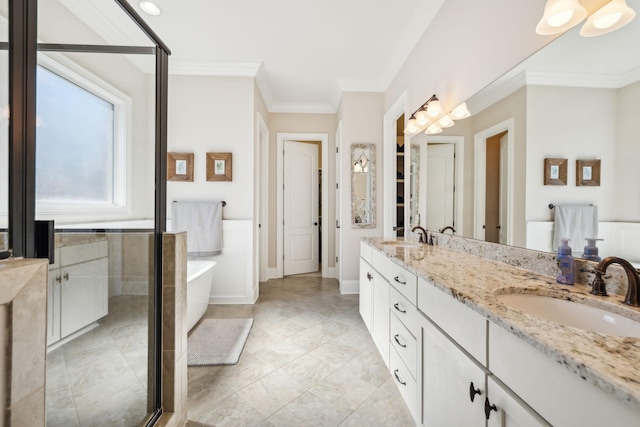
<point x="610" y="363"/>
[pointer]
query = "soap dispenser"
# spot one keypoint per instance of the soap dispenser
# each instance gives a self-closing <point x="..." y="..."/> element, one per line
<point x="591" y="250"/>
<point x="566" y="264"/>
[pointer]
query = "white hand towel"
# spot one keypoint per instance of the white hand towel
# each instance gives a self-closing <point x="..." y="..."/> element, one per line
<point x="575" y="222"/>
<point x="203" y="223"/>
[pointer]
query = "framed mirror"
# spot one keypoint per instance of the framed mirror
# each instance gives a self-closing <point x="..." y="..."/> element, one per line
<point x="363" y="186"/>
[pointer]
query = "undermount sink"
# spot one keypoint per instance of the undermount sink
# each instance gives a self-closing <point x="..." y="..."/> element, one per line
<point x="400" y="243"/>
<point x="572" y="313"/>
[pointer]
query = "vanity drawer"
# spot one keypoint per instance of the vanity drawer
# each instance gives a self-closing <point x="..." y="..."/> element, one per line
<point x="404" y="281"/>
<point x="366" y="252"/>
<point x="406" y="312"/>
<point x="406" y="384"/>
<point x="461" y="323"/>
<point x="405" y="344"/>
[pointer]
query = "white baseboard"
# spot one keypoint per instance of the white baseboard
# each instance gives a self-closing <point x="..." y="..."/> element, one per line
<point x="350" y="287"/>
<point x="231" y="300"/>
<point x="272" y="273"/>
<point x="332" y="273"/>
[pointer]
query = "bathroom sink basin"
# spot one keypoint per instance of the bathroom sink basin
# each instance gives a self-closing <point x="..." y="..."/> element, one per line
<point x="574" y="314"/>
<point x="400" y="243"/>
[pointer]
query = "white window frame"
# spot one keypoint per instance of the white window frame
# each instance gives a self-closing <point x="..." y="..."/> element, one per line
<point x="122" y="172"/>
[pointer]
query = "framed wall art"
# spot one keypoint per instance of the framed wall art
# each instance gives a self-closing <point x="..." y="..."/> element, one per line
<point x="588" y="173"/>
<point x="219" y="166"/>
<point x="555" y="171"/>
<point x="180" y="167"/>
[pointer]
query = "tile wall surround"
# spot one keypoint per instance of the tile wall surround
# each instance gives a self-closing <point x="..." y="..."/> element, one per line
<point x="23" y="294"/>
<point x="531" y="260"/>
<point x="174" y="329"/>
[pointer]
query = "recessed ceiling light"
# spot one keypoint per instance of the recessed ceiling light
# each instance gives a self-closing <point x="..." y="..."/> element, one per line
<point x="150" y="8"/>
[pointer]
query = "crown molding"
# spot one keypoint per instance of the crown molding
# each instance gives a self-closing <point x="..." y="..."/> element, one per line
<point x="515" y="79"/>
<point x="214" y="68"/>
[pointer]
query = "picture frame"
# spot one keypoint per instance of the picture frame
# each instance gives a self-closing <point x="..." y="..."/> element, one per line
<point x="180" y="167"/>
<point x="555" y="171"/>
<point x="588" y="173"/>
<point x="219" y="167"/>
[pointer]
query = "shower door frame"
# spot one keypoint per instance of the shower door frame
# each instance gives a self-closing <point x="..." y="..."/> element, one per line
<point x="23" y="47"/>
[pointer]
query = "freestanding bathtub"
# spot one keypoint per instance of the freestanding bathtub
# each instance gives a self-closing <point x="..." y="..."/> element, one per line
<point x="199" y="281"/>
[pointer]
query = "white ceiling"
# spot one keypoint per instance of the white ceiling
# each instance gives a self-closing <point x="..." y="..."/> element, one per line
<point x="304" y="54"/>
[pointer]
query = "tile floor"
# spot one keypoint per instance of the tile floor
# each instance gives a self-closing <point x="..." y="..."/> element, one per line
<point x="309" y="361"/>
<point x="100" y="378"/>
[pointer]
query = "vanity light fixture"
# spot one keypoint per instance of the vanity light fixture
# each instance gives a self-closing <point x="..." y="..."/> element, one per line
<point x="559" y="16"/>
<point x="150" y="8"/>
<point x="431" y="118"/>
<point x="610" y="17"/>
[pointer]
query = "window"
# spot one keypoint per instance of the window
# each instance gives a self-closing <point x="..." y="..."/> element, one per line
<point x="81" y="144"/>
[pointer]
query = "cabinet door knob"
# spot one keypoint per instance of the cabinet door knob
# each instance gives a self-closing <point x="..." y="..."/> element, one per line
<point x="369" y="276"/>
<point x="66" y="276"/>
<point x="397" y="307"/>
<point x="59" y="279"/>
<point x="473" y="391"/>
<point x="398" y="378"/>
<point x="397" y="279"/>
<point x="395" y="337"/>
<point x="488" y="407"/>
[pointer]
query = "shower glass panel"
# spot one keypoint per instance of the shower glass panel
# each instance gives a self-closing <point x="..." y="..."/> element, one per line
<point x="4" y="127"/>
<point x="95" y="178"/>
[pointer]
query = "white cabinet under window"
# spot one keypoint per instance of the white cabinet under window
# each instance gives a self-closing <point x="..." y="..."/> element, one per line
<point x="78" y="288"/>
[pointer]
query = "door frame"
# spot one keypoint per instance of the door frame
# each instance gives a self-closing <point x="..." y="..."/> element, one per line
<point x="262" y="201"/>
<point x="338" y="204"/>
<point x="324" y="235"/>
<point x="479" y="193"/>
<point x="389" y="143"/>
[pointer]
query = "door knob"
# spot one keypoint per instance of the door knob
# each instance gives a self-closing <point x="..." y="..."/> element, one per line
<point x="488" y="407"/>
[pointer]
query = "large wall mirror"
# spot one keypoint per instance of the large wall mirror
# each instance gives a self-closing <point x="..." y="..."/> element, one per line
<point x="363" y="185"/>
<point x="578" y="98"/>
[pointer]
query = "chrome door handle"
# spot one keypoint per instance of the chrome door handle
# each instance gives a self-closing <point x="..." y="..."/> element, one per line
<point x="397" y="307"/>
<point x="399" y="380"/>
<point x="395" y="337"/>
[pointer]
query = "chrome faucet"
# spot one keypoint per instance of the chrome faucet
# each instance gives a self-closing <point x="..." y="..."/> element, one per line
<point x="422" y="238"/>
<point x="633" y="280"/>
<point x="448" y="227"/>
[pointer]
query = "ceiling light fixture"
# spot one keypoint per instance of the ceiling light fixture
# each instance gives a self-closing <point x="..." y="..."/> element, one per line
<point x="431" y="118"/>
<point x="610" y="17"/>
<point x="150" y="8"/>
<point x="559" y="16"/>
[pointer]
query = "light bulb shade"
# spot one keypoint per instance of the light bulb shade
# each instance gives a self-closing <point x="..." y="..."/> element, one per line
<point x="434" y="109"/>
<point x="422" y="118"/>
<point x="559" y="16"/>
<point x="411" y="127"/>
<point x="610" y="17"/>
<point x="433" y="129"/>
<point x="150" y="8"/>
<point x="460" y="112"/>
<point x="445" y="121"/>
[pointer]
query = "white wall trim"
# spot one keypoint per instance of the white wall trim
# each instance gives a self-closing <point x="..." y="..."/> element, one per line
<point x="480" y="140"/>
<point x="398" y="108"/>
<point x="281" y="138"/>
<point x="262" y="187"/>
<point x="338" y="204"/>
<point x="272" y="273"/>
<point x="348" y="287"/>
<point x="233" y="300"/>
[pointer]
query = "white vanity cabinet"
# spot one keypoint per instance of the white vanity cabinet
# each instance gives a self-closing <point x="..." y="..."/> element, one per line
<point x="366" y="294"/>
<point x="505" y="409"/>
<point x="374" y="304"/>
<point x="78" y="288"/>
<point x="449" y="379"/>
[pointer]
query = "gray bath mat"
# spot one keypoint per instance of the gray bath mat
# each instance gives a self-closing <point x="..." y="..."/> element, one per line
<point x="217" y="341"/>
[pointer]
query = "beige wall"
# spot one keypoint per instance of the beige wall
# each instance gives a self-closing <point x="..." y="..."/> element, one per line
<point x="361" y="115"/>
<point x="627" y="177"/>
<point x="213" y="114"/>
<point x="301" y="123"/>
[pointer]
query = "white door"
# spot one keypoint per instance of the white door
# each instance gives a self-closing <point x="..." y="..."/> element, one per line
<point x="440" y="186"/>
<point x="300" y="208"/>
<point x="504" y="151"/>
